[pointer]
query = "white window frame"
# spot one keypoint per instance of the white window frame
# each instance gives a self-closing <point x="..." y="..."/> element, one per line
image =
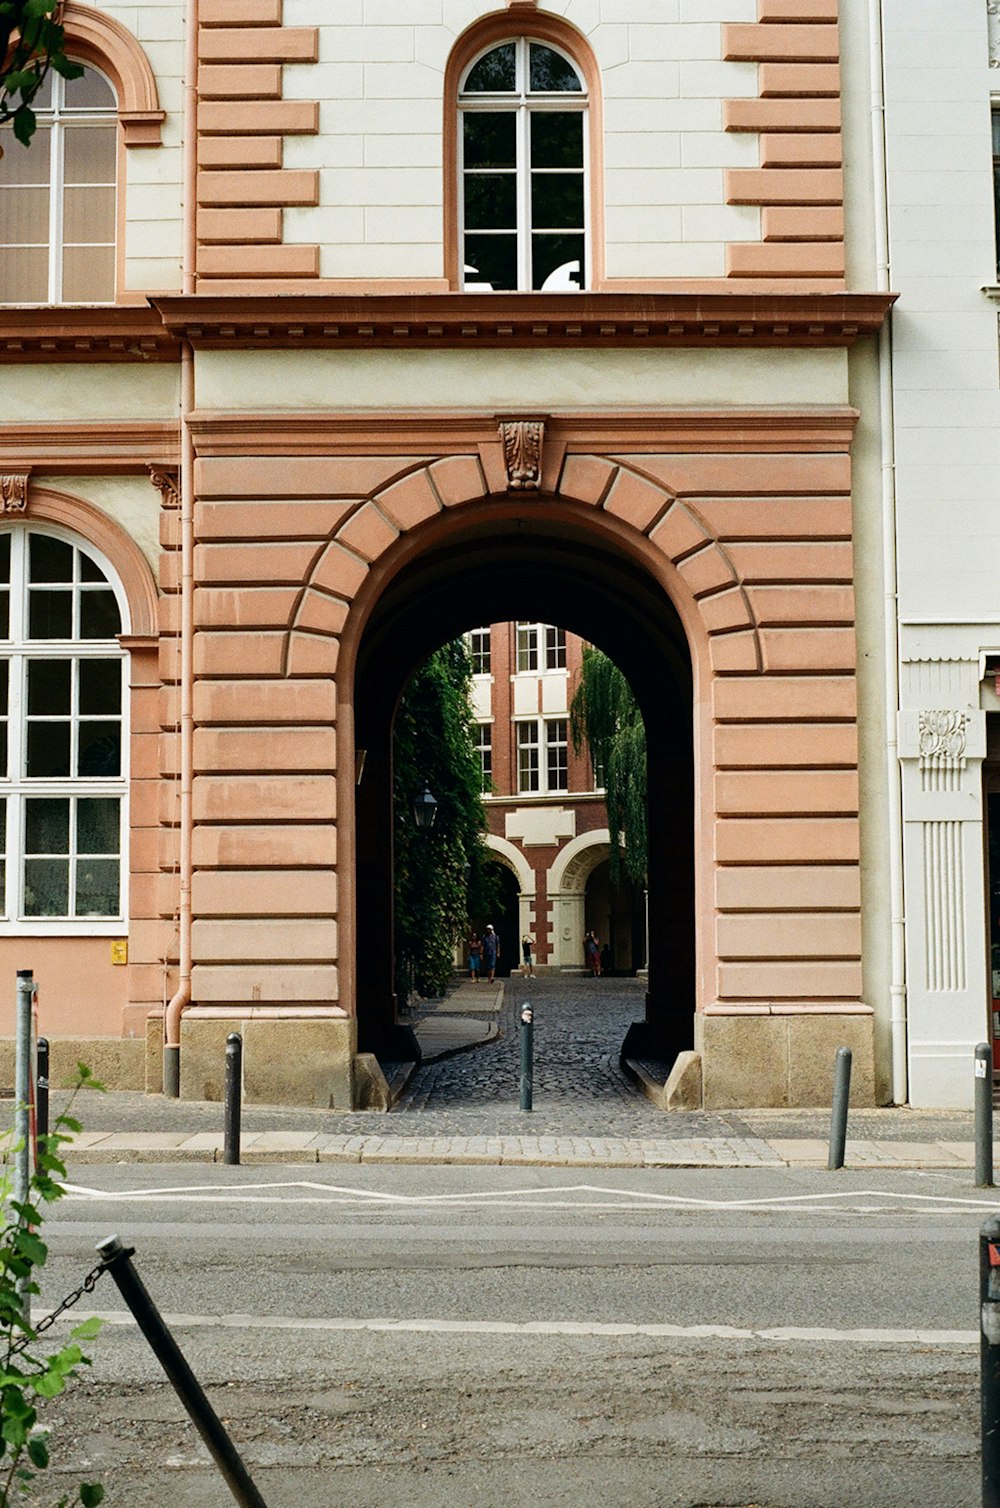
<point x="524" y="103"/>
<point x="541" y="743"/>
<point x="480" y="653"/>
<point x="55" y="116"/>
<point x="484" y="747"/>
<point x="535" y="637"/>
<point x="16" y="788"/>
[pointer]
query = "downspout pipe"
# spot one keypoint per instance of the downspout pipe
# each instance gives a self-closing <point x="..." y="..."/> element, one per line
<point x="897" y="976"/>
<point x="182" y="996"/>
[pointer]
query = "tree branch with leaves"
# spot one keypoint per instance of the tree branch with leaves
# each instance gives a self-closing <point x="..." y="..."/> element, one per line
<point x="32" y="40"/>
<point x="604" y="716"/>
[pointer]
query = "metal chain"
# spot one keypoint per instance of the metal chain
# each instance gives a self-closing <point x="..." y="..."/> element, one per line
<point x="87" y="1286"/>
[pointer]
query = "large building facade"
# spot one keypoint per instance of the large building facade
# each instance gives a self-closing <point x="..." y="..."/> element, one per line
<point x="547" y="820"/>
<point x="326" y="340"/>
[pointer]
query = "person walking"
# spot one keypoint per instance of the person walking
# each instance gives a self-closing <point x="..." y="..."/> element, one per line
<point x="592" y="949"/>
<point x="491" y="951"/>
<point x="475" y="955"/>
<point x="527" y="943"/>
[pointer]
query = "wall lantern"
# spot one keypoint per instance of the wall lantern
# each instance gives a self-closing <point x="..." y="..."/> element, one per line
<point x="424" y="810"/>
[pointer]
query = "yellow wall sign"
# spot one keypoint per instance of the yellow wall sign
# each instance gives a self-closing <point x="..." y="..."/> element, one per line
<point x="119" y="950"/>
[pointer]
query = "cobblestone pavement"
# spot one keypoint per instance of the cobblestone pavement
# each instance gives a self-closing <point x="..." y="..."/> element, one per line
<point x="579" y="1087"/>
<point x="580" y="1093"/>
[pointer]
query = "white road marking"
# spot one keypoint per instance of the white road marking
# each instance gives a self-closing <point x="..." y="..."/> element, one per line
<point x="781" y="1334"/>
<point x="306" y="1191"/>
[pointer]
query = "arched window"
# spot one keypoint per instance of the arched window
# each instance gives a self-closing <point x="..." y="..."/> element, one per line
<point x="523" y="150"/>
<point x="58" y="197"/>
<point x="62" y="727"/>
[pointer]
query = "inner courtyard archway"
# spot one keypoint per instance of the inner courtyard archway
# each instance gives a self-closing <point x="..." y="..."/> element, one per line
<point x="523" y="560"/>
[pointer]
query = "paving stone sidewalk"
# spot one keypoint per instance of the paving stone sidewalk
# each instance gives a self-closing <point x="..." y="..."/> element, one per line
<point x="461" y="1105"/>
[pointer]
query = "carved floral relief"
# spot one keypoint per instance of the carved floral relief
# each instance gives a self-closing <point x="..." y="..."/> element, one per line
<point x="522" y="450"/>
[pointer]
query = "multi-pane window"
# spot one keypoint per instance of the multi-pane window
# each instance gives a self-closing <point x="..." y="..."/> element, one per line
<point x="62" y="700"/>
<point x="523" y="109"/>
<point x="484" y="748"/>
<point x="556" y="754"/>
<point x="58" y="197"/>
<point x="542" y="755"/>
<point x="540" y="646"/>
<point x="479" y="651"/>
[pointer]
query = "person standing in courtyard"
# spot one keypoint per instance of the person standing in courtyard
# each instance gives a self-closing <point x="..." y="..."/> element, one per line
<point x="527" y="943"/>
<point x="592" y="949"/>
<point x="491" y="951"/>
<point x="475" y="955"/>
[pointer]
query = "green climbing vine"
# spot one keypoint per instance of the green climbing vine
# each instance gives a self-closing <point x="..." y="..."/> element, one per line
<point x="441" y="878"/>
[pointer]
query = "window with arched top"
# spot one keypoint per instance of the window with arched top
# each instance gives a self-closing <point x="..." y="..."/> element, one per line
<point x="523" y="195"/>
<point x="63" y="686"/>
<point x="58" y="197"/>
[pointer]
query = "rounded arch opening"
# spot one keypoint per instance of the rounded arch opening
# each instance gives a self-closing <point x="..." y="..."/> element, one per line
<point x="529" y="563"/>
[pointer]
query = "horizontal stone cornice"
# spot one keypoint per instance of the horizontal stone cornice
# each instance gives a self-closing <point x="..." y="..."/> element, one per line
<point x="805" y="428"/>
<point x="545" y="321"/>
<point x="75" y="447"/>
<point x="120" y="333"/>
<point x="138" y="333"/>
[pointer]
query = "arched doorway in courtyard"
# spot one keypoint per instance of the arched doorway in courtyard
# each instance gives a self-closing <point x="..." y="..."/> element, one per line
<point x="539" y="560"/>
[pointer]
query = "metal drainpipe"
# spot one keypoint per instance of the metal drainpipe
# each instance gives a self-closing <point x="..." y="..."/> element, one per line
<point x="897" y="980"/>
<point x="182" y="997"/>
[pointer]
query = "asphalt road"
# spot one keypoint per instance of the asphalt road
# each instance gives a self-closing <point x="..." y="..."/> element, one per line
<point x="453" y="1336"/>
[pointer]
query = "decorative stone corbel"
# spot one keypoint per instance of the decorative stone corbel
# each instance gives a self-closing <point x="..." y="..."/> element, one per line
<point x="942" y="740"/>
<point x="167" y="485"/>
<point x="14" y="491"/>
<point x="522" y="453"/>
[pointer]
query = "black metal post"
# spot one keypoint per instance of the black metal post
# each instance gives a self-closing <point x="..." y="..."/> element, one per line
<point x="234" y="1092"/>
<point x="118" y="1260"/>
<point x="984" y="1116"/>
<point x="42" y="1088"/>
<point x="989" y="1357"/>
<point x="527" y="1056"/>
<point x="838" y="1115"/>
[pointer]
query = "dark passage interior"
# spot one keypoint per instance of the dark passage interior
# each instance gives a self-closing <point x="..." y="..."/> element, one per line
<point x="529" y="561"/>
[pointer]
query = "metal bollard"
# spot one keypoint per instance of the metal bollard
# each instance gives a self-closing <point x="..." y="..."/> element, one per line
<point x="118" y="1260"/>
<point x="838" y="1115"/>
<point x="984" y="1116"/>
<point x="527" y="1055"/>
<point x="233" y="1103"/>
<point x="42" y="1088"/>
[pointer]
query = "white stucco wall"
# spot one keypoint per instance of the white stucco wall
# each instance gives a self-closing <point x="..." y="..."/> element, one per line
<point x="154" y="174"/>
<point x="380" y="82"/>
<point x="947" y="427"/>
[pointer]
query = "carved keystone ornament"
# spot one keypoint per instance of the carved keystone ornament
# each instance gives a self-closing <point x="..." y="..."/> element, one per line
<point x="14" y="492"/>
<point x="522" y="453"/>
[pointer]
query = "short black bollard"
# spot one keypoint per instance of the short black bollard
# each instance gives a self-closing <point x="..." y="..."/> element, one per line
<point x="118" y="1261"/>
<point x="233" y="1104"/>
<point x="42" y="1088"/>
<point x="838" y="1116"/>
<point x="989" y="1357"/>
<point x="527" y="1054"/>
<point x="984" y="1116"/>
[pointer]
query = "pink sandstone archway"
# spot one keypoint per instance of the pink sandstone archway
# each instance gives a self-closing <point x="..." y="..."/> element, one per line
<point x="735" y="527"/>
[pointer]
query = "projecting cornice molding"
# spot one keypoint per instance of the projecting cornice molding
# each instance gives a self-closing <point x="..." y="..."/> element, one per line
<point x="137" y="333"/>
<point x="76" y="447"/>
<point x="129" y="333"/>
<point x="545" y="321"/>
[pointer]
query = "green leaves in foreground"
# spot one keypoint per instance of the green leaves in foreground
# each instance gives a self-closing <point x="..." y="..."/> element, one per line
<point x="31" y="42"/>
<point x="28" y="1377"/>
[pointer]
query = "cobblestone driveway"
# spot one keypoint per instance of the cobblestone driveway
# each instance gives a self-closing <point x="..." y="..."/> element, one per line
<point x="579" y="1088"/>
